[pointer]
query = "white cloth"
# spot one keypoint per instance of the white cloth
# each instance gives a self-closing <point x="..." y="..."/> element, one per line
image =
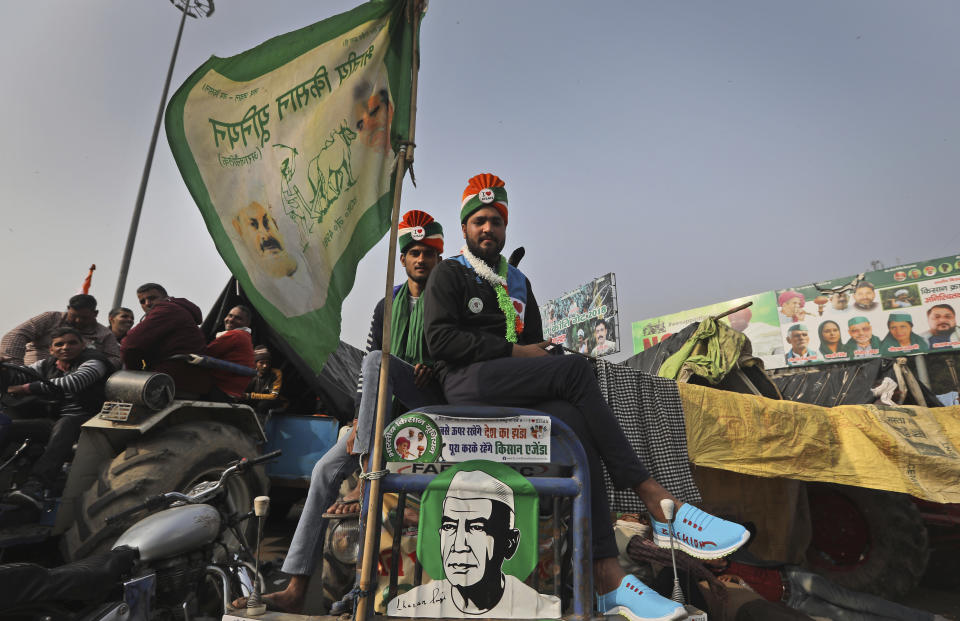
<point x="436" y="599"/>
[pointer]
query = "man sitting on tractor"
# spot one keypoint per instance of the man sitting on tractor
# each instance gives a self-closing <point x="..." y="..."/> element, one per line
<point x="75" y="376"/>
<point x="234" y="344"/>
<point x="30" y="341"/>
<point x="482" y="322"/>
<point x="410" y="381"/>
<point x="169" y="328"/>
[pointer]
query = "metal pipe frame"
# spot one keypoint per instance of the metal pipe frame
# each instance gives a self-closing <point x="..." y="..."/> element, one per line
<point x="576" y="486"/>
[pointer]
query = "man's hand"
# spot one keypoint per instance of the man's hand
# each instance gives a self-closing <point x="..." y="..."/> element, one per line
<point x="422" y="374"/>
<point x="352" y="437"/>
<point x="23" y="389"/>
<point x="530" y="351"/>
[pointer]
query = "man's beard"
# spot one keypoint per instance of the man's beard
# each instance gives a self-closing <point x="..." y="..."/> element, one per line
<point x="490" y="257"/>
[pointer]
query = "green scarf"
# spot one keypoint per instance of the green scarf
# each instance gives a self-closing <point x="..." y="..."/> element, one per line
<point x="407" y="328"/>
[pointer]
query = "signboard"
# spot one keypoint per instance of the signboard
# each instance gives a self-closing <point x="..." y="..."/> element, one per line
<point x="524" y="439"/>
<point x="585" y="319"/>
<point x="429" y="438"/>
<point x="904" y="310"/>
<point x="759" y="322"/>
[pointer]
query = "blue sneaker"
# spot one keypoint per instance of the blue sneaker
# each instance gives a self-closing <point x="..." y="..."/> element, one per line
<point x="700" y="534"/>
<point x="638" y="602"/>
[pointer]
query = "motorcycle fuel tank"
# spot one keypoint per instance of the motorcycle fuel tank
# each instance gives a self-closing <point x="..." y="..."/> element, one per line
<point x="172" y="531"/>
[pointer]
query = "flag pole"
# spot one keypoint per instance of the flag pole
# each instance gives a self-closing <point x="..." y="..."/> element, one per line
<point x="404" y="161"/>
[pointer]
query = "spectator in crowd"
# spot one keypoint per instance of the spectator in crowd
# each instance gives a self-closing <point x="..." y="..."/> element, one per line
<point x="263" y="391"/>
<point x="900" y="338"/>
<point x="75" y="375"/>
<point x="121" y="320"/>
<point x="864" y="296"/>
<point x="169" y="328"/>
<point x="943" y="327"/>
<point x="862" y="341"/>
<point x="30" y="341"/>
<point x="234" y="344"/>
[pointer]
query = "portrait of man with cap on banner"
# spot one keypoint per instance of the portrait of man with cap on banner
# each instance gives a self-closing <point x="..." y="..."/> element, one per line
<point x="900" y="338"/>
<point x="862" y="342"/>
<point x="798" y="337"/>
<point x="477" y="539"/>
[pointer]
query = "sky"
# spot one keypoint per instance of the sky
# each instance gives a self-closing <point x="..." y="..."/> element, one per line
<point x="700" y="150"/>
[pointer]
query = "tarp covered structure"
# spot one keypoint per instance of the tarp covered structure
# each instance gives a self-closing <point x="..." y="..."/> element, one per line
<point x="841" y="383"/>
<point x="715" y="356"/>
<point x="907" y="449"/>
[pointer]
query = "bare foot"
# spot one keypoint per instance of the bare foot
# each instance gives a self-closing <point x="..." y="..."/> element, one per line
<point x="350" y="503"/>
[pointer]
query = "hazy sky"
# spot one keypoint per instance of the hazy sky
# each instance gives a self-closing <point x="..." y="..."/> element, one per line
<point x="700" y="150"/>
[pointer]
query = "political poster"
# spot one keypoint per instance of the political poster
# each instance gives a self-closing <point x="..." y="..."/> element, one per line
<point x="288" y="150"/>
<point x="904" y="310"/>
<point x="759" y="322"/>
<point x="896" y="311"/>
<point x="585" y="320"/>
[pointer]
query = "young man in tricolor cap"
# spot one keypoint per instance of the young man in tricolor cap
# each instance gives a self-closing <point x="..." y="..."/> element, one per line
<point x="420" y="239"/>
<point x="482" y="322"/>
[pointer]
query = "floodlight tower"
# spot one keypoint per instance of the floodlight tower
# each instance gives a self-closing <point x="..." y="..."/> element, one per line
<point x="195" y="9"/>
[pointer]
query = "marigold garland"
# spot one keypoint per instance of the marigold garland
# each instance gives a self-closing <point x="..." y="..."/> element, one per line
<point x="498" y="281"/>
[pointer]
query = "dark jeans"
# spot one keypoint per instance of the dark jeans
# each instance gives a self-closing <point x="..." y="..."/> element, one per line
<point x="565" y="387"/>
<point x="60" y="438"/>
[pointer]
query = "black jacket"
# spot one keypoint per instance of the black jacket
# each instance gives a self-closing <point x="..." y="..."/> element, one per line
<point x="456" y="335"/>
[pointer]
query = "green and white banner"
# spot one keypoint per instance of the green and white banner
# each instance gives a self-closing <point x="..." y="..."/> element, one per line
<point x="288" y="150"/>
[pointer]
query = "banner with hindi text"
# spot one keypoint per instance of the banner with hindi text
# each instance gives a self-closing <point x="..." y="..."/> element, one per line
<point x="289" y="152"/>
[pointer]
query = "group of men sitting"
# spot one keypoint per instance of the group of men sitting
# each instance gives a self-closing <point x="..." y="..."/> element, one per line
<point x="69" y="356"/>
<point x="467" y="330"/>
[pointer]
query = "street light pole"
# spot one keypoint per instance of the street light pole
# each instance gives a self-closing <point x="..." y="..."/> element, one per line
<point x="193" y="8"/>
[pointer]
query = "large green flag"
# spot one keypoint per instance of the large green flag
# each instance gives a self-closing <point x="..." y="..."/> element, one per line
<point x="288" y="150"/>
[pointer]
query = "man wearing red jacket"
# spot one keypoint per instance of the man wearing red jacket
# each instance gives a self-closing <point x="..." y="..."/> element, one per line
<point x="169" y="328"/>
<point x="234" y="345"/>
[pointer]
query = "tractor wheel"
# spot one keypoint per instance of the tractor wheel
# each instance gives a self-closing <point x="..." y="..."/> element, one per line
<point x="867" y="540"/>
<point x="175" y="459"/>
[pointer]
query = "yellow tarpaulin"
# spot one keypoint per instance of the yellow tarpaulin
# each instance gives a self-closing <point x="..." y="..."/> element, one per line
<point x="908" y="449"/>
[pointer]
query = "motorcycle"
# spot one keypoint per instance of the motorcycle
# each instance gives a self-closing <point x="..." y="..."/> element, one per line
<point x="186" y="560"/>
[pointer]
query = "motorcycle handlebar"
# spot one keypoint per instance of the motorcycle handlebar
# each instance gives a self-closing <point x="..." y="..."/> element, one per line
<point x="159" y="500"/>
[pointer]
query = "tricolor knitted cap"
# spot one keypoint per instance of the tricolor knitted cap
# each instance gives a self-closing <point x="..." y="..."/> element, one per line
<point x="420" y="227"/>
<point x="484" y="190"/>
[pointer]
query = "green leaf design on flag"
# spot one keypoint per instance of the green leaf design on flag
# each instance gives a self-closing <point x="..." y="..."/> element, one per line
<point x="289" y="151"/>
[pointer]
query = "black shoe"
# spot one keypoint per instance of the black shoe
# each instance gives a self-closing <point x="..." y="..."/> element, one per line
<point x="345" y="605"/>
<point x="29" y="494"/>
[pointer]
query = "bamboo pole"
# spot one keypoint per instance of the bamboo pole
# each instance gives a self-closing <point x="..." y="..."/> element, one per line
<point x="404" y="161"/>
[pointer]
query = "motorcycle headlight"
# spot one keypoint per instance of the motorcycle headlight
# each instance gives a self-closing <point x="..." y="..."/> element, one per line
<point x="345" y="541"/>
